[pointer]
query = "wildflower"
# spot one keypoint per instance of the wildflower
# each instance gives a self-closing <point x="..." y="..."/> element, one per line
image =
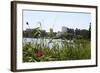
<point x="39" y="53"/>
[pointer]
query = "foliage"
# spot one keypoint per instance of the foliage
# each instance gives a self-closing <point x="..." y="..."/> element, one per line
<point x="75" y="45"/>
<point x="80" y="49"/>
<point x="51" y="33"/>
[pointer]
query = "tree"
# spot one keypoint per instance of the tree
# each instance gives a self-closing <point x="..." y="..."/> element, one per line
<point x="77" y="31"/>
<point x="51" y="33"/>
<point x="84" y="34"/>
<point x="43" y="33"/>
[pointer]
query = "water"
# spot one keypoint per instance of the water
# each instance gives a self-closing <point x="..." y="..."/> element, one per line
<point x="46" y="42"/>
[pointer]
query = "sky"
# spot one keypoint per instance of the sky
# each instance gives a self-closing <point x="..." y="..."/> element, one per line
<point x="55" y="20"/>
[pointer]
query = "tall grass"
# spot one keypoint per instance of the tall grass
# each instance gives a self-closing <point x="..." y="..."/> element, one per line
<point x="79" y="49"/>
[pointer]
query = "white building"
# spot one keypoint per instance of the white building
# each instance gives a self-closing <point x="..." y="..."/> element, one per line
<point x="64" y="29"/>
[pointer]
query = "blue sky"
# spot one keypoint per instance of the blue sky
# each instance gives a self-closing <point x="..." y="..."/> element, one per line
<point x="55" y="20"/>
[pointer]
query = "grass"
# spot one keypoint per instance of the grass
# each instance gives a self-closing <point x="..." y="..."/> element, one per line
<point x="79" y="49"/>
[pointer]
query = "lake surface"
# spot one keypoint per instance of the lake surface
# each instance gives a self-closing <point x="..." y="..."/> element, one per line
<point x="46" y="42"/>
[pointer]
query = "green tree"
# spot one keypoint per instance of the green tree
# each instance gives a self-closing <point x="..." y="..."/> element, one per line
<point x="51" y="33"/>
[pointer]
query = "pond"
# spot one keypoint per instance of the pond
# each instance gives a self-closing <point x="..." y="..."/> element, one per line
<point x="47" y="42"/>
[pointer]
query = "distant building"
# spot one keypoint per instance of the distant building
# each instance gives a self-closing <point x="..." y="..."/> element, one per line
<point x="27" y="33"/>
<point x="64" y="29"/>
<point x="28" y="30"/>
<point x="60" y="33"/>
